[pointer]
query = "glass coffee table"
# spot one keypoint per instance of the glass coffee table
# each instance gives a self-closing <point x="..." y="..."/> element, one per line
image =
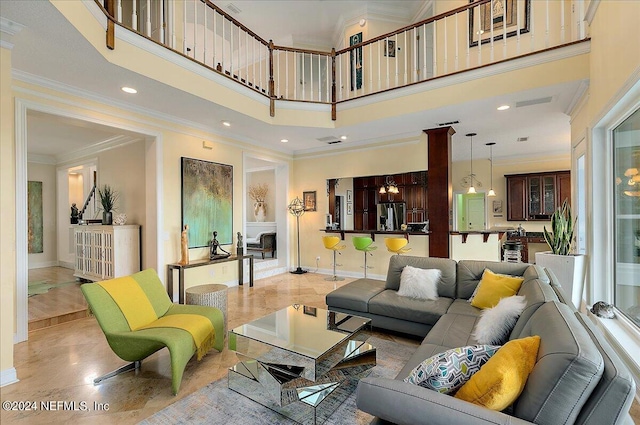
<point x="301" y="361"/>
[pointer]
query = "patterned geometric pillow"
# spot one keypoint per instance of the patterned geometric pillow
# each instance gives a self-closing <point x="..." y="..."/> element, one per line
<point x="449" y="370"/>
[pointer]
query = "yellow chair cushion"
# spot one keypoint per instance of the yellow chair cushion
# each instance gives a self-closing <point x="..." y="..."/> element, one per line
<point x="502" y="378"/>
<point x="493" y="287"/>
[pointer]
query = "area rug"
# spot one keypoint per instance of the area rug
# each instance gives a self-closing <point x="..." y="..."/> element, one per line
<point x="36" y="288"/>
<point x="217" y="404"/>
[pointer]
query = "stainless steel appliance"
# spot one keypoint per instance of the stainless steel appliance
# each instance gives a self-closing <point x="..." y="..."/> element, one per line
<point x="391" y="215"/>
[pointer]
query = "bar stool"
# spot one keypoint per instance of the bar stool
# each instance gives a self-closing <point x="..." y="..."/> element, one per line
<point x="512" y="252"/>
<point x="333" y="243"/>
<point x="397" y="245"/>
<point x="364" y="244"/>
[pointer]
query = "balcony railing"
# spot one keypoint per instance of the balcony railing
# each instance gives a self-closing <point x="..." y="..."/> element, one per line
<point x="472" y="36"/>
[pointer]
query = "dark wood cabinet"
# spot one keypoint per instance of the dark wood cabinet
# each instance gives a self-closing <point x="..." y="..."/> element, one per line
<point x="412" y="190"/>
<point x="536" y="196"/>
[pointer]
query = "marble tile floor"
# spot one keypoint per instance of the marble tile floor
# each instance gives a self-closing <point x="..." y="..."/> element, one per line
<point x="58" y="364"/>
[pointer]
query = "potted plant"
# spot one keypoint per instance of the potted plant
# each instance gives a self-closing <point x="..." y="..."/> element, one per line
<point x="108" y="198"/>
<point x="569" y="268"/>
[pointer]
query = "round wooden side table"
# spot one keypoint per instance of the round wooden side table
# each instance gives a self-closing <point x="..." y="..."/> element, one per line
<point x="212" y="295"/>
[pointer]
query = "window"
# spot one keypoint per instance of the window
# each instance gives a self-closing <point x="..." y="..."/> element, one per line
<point x="626" y="169"/>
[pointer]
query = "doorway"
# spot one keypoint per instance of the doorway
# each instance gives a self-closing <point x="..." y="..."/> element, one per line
<point x="469" y="212"/>
<point x="98" y="137"/>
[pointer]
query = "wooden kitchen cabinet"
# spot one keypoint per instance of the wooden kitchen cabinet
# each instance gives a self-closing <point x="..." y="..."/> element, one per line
<point x="536" y="196"/>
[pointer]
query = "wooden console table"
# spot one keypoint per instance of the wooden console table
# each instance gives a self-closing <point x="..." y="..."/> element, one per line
<point x="199" y="263"/>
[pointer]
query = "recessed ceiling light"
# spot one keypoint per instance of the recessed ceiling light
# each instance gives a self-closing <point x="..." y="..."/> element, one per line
<point x="226" y="123"/>
<point x="343" y="137"/>
<point x="284" y="140"/>
<point x="503" y="107"/>
<point x="130" y="90"/>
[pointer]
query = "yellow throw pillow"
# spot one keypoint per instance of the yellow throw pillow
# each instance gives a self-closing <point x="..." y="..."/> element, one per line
<point x="501" y="379"/>
<point x="493" y="287"/>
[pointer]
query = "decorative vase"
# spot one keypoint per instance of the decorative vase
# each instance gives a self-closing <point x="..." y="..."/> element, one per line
<point x="570" y="270"/>
<point x="107" y="217"/>
<point x="260" y="211"/>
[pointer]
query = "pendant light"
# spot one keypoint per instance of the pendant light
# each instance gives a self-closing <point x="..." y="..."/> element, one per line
<point x="472" y="189"/>
<point x="491" y="191"/>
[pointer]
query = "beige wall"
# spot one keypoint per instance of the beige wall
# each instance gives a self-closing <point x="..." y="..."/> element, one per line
<point x="7" y="215"/>
<point x="46" y="173"/>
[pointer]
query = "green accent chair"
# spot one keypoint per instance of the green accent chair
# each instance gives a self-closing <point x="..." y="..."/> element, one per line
<point x="134" y="346"/>
<point x="364" y="244"/>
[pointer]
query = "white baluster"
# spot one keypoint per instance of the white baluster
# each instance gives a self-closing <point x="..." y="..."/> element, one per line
<point x="491" y="28"/>
<point x="224" y="34"/>
<point x="504" y="30"/>
<point x="396" y="61"/>
<point x="246" y="58"/>
<point x="532" y="45"/>
<point x="414" y="65"/>
<point x="184" y="26"/>
<point x="518" y="34"/>
<point x="231" y="50"/>
<point x="119" y="11"/>
<point x="329" y="76"/>
<point x="479" y="39"/>
<point x="319" y="79"/>
<point x="456" y="33"/>
<point x="134" y="15"/>
<point x="370" y="67"/>
<point x="406" y="59"/>
<point x="379" y="43"/>
<point x="163" y="25"/>
<point x="562" y="29"/>
<point x="546" y="25"/>
<point x="446" y="48"/>
<point x="148" y="18"/>
<point x="286" y="71"/>
<point x="435" y="50"/>
<point x="195" y="28"/>
<point x="424" y="46"/>
<point x="206" y="36"/>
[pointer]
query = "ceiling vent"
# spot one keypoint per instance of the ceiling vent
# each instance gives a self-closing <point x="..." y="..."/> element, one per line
<point x="533" y="102"/>
<point x="334" y="142"/>
<point x="327" y="139"/>
<point x="522" y="139"/>
<point x="442" y="124"/>
<point x="233" y="8"/>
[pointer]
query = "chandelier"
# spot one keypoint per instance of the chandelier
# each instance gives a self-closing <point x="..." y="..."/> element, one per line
<point x="389" y="186"/>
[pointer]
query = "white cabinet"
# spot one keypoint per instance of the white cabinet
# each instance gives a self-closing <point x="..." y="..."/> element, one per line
<point x="105" y="252"/>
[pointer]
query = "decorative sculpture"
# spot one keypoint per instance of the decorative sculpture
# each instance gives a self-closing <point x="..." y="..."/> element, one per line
<point x="239" y="246"/>
<point x="214" y="245"/>
<point x="74" y="214"/>
<point x="184" y="245"/>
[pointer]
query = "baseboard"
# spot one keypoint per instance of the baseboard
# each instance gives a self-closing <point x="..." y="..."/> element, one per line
<point x="355" y="275"/>
<point x="34" y="265"/>
<point x="8" y="377"/>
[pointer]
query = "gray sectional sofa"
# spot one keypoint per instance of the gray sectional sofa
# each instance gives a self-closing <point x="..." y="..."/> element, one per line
<point x="577" y="379"/>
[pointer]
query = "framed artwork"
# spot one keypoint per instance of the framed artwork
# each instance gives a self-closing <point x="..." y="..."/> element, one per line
<point x="349" y="208"/>
<point x="207" y="201"/>
<point x="349" y="196"/>
<point x="311" y="311"/>
<point x="309" y="200"/>
<point x="355" y="58"/>
<point x="34" y="217"/>
<point x="390" y="48"/>
<point x="514" y="14"/>
<point x="497" y="207"/>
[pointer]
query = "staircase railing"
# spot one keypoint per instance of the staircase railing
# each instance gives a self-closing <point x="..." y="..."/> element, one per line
<point x="469" y="37"/>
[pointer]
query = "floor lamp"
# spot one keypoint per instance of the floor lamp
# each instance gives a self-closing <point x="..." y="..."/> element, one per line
<point x="296" y="208"/>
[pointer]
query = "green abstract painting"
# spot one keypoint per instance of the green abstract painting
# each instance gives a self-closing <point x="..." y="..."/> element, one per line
<point x="207" y="201"/>
<point x="34" y="213"/>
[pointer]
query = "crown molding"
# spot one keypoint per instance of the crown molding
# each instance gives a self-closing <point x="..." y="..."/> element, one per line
<point x="96" y="148"/>
<point x="473" y="74"/>
<point x="578" y="99"/>
<point x="166" y="120"/>
<point x="41" y="159"/>
<point x="8" y="29"/>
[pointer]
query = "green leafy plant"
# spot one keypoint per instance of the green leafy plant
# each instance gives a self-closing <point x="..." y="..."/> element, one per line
<point x="108" y="198"/>
<point x="562" y="224"/>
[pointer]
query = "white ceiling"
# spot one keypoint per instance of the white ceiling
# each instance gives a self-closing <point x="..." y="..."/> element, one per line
<point x="51" y="49"/>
